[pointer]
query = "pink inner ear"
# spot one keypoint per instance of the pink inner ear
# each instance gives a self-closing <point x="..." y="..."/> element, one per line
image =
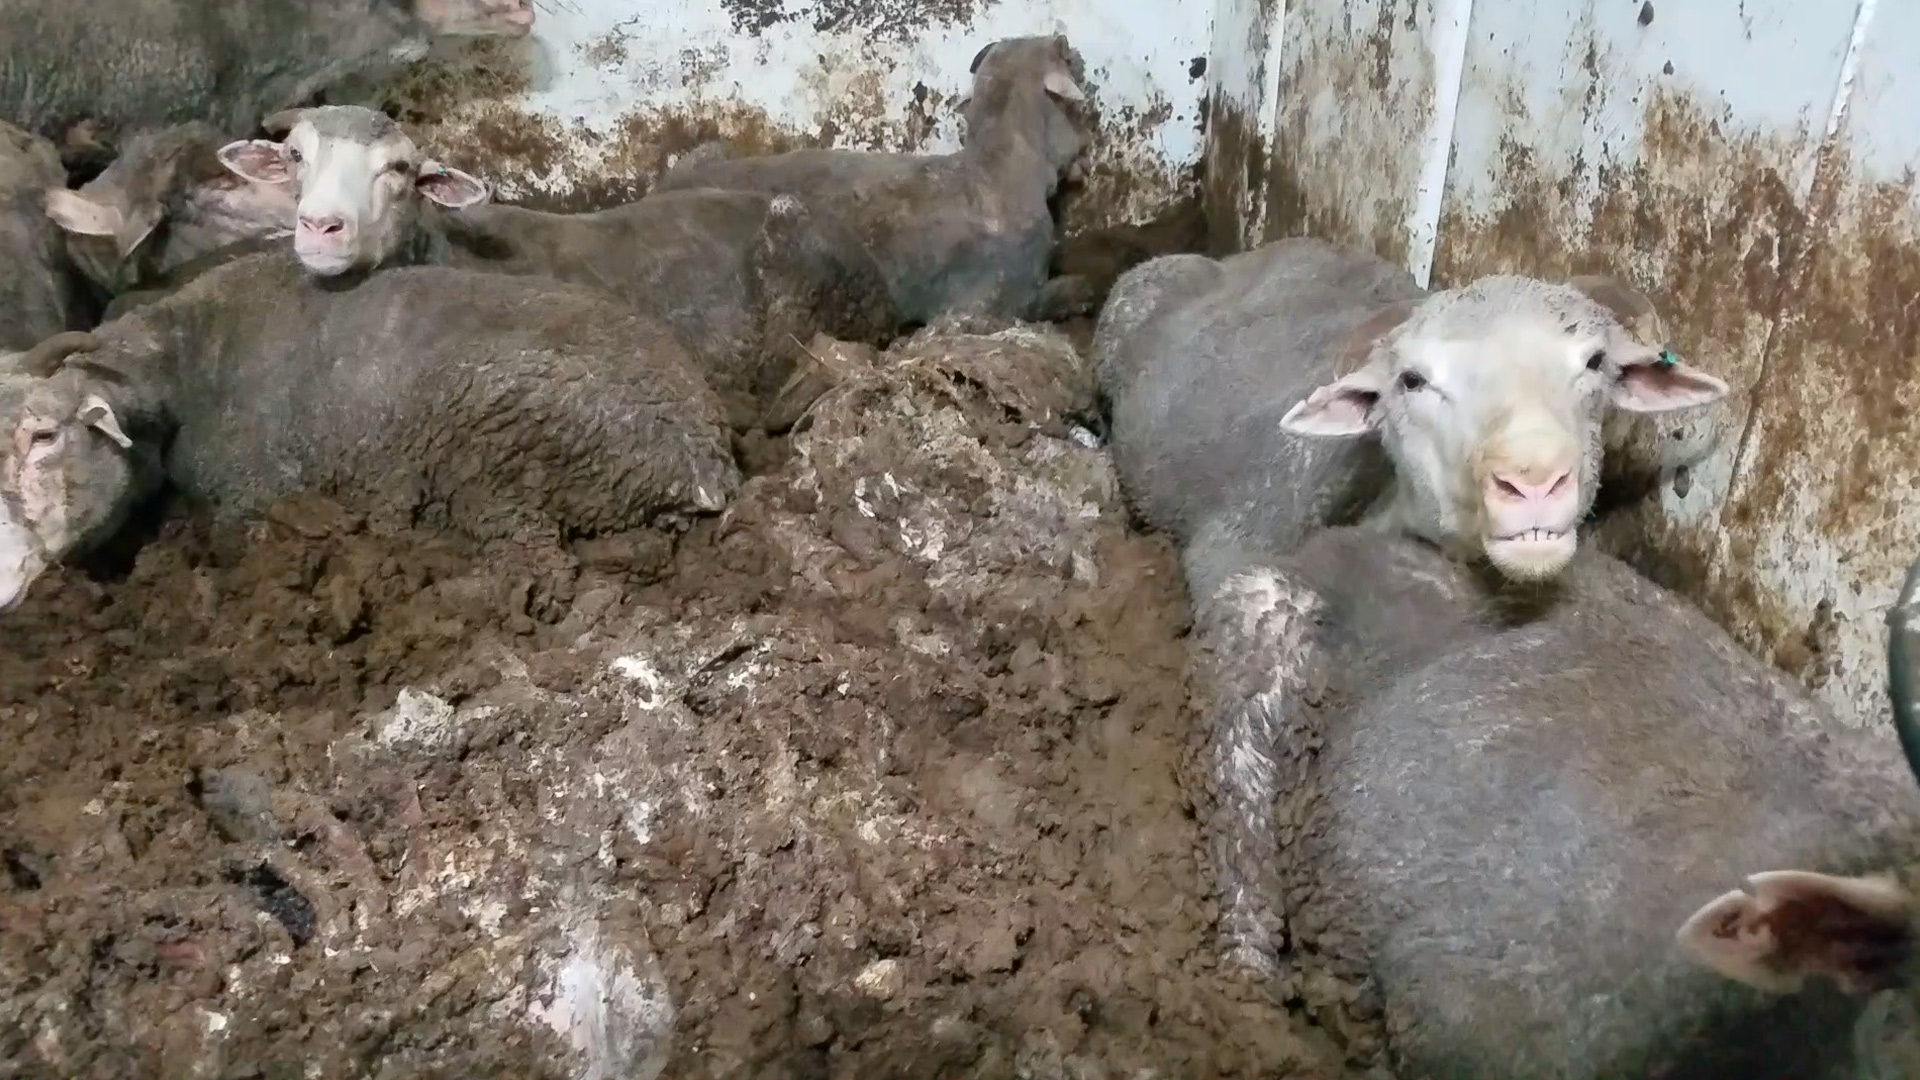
<point x="1347" y="404"/>
<point x="262" y="163"/>
<point x="1654" y="386"/>
<point x="1823" y="930"/>
<point x="450" y="187"/>
<point x="1340" y="408"/>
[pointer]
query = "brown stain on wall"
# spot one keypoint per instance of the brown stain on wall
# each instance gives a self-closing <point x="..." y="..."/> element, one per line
<point x="1842" y="381"/>
<point x="1234" y="164"/>
<point x="1102" y="254"/>
<point x="1352" y="124"/>
<point x="1834" y="444"/>
<point x="521" y="148"/>
<point x="464" y="107"/>
<point x="609" y="50"/>
<point x="489" y="69"/>
<point x="1123" y="179"/>
<point x="856" y="112"/>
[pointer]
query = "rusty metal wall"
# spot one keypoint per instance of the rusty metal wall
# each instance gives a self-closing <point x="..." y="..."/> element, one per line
<point x="591" y="107"/>
<point x="1750" y="163"/>
<point x="1243" y="76"/>
<point x="1332" y="117"/>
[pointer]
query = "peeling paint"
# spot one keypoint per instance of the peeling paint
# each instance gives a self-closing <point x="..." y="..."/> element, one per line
<point x="607" y="93"/>
<point x="896" y="19"/>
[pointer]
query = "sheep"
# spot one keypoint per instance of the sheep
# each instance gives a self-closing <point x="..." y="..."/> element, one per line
<point x="69" y="474"/>
<point x="1857" y="931"/>
<point x="164" y="202"/>
<point x="1463" y="775"/>
<point x="38" y="296"/>
<point x="504" y="408"/>
<point x="87" y="74"/>
<point x="966" y="235"/>
<point x="744" y="279"/>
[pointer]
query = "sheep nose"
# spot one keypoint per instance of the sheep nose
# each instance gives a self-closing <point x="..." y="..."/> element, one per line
<point x="1513" y="488"/>
<point x="323" y="226"/>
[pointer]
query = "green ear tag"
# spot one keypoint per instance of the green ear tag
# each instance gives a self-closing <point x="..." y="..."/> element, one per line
<point x="1668" y="358"/>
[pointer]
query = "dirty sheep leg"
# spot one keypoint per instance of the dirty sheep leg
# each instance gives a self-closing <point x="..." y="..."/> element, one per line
<point x="1261" y="669"/>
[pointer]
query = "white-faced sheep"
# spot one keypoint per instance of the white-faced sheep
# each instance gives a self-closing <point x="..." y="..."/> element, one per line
<point x="1466" y="778"/>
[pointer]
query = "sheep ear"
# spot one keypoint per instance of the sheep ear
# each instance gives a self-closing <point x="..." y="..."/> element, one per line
<point x="1061" y="85"/>
<point x="450" y="187"/>
<point x="1858" y="932"/>
<point x="98" y="415"/>
<point x="1660" y="383"/>
<point x="82" y="216"/>
<point x="1357" y="347"/>
<point x="1342" y="408"/>
<point x="278" y="124"/>
<point x="262" y="161"/>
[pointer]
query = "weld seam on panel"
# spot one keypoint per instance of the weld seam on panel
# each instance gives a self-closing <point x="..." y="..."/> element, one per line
<point x="1452" y="20"/>
<point x="1269" y="129"/>
<point x="1812" y="222"/>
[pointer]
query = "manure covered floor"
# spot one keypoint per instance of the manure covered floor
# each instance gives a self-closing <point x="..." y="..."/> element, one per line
<point x="876" y="775"/>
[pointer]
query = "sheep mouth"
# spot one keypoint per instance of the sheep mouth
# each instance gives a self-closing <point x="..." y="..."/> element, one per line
<point x="324" y="263"/>
<point x="1532" y="554"/>
<point x="1533" y="536"/>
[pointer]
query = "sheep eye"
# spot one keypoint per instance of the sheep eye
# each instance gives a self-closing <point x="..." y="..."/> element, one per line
<point x="1598" y="359"/>
<point x="1412" y="380"/>
<point x="294" y="155"/>
<point x="404" y="168"/>
<point x="46" y="437"/>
